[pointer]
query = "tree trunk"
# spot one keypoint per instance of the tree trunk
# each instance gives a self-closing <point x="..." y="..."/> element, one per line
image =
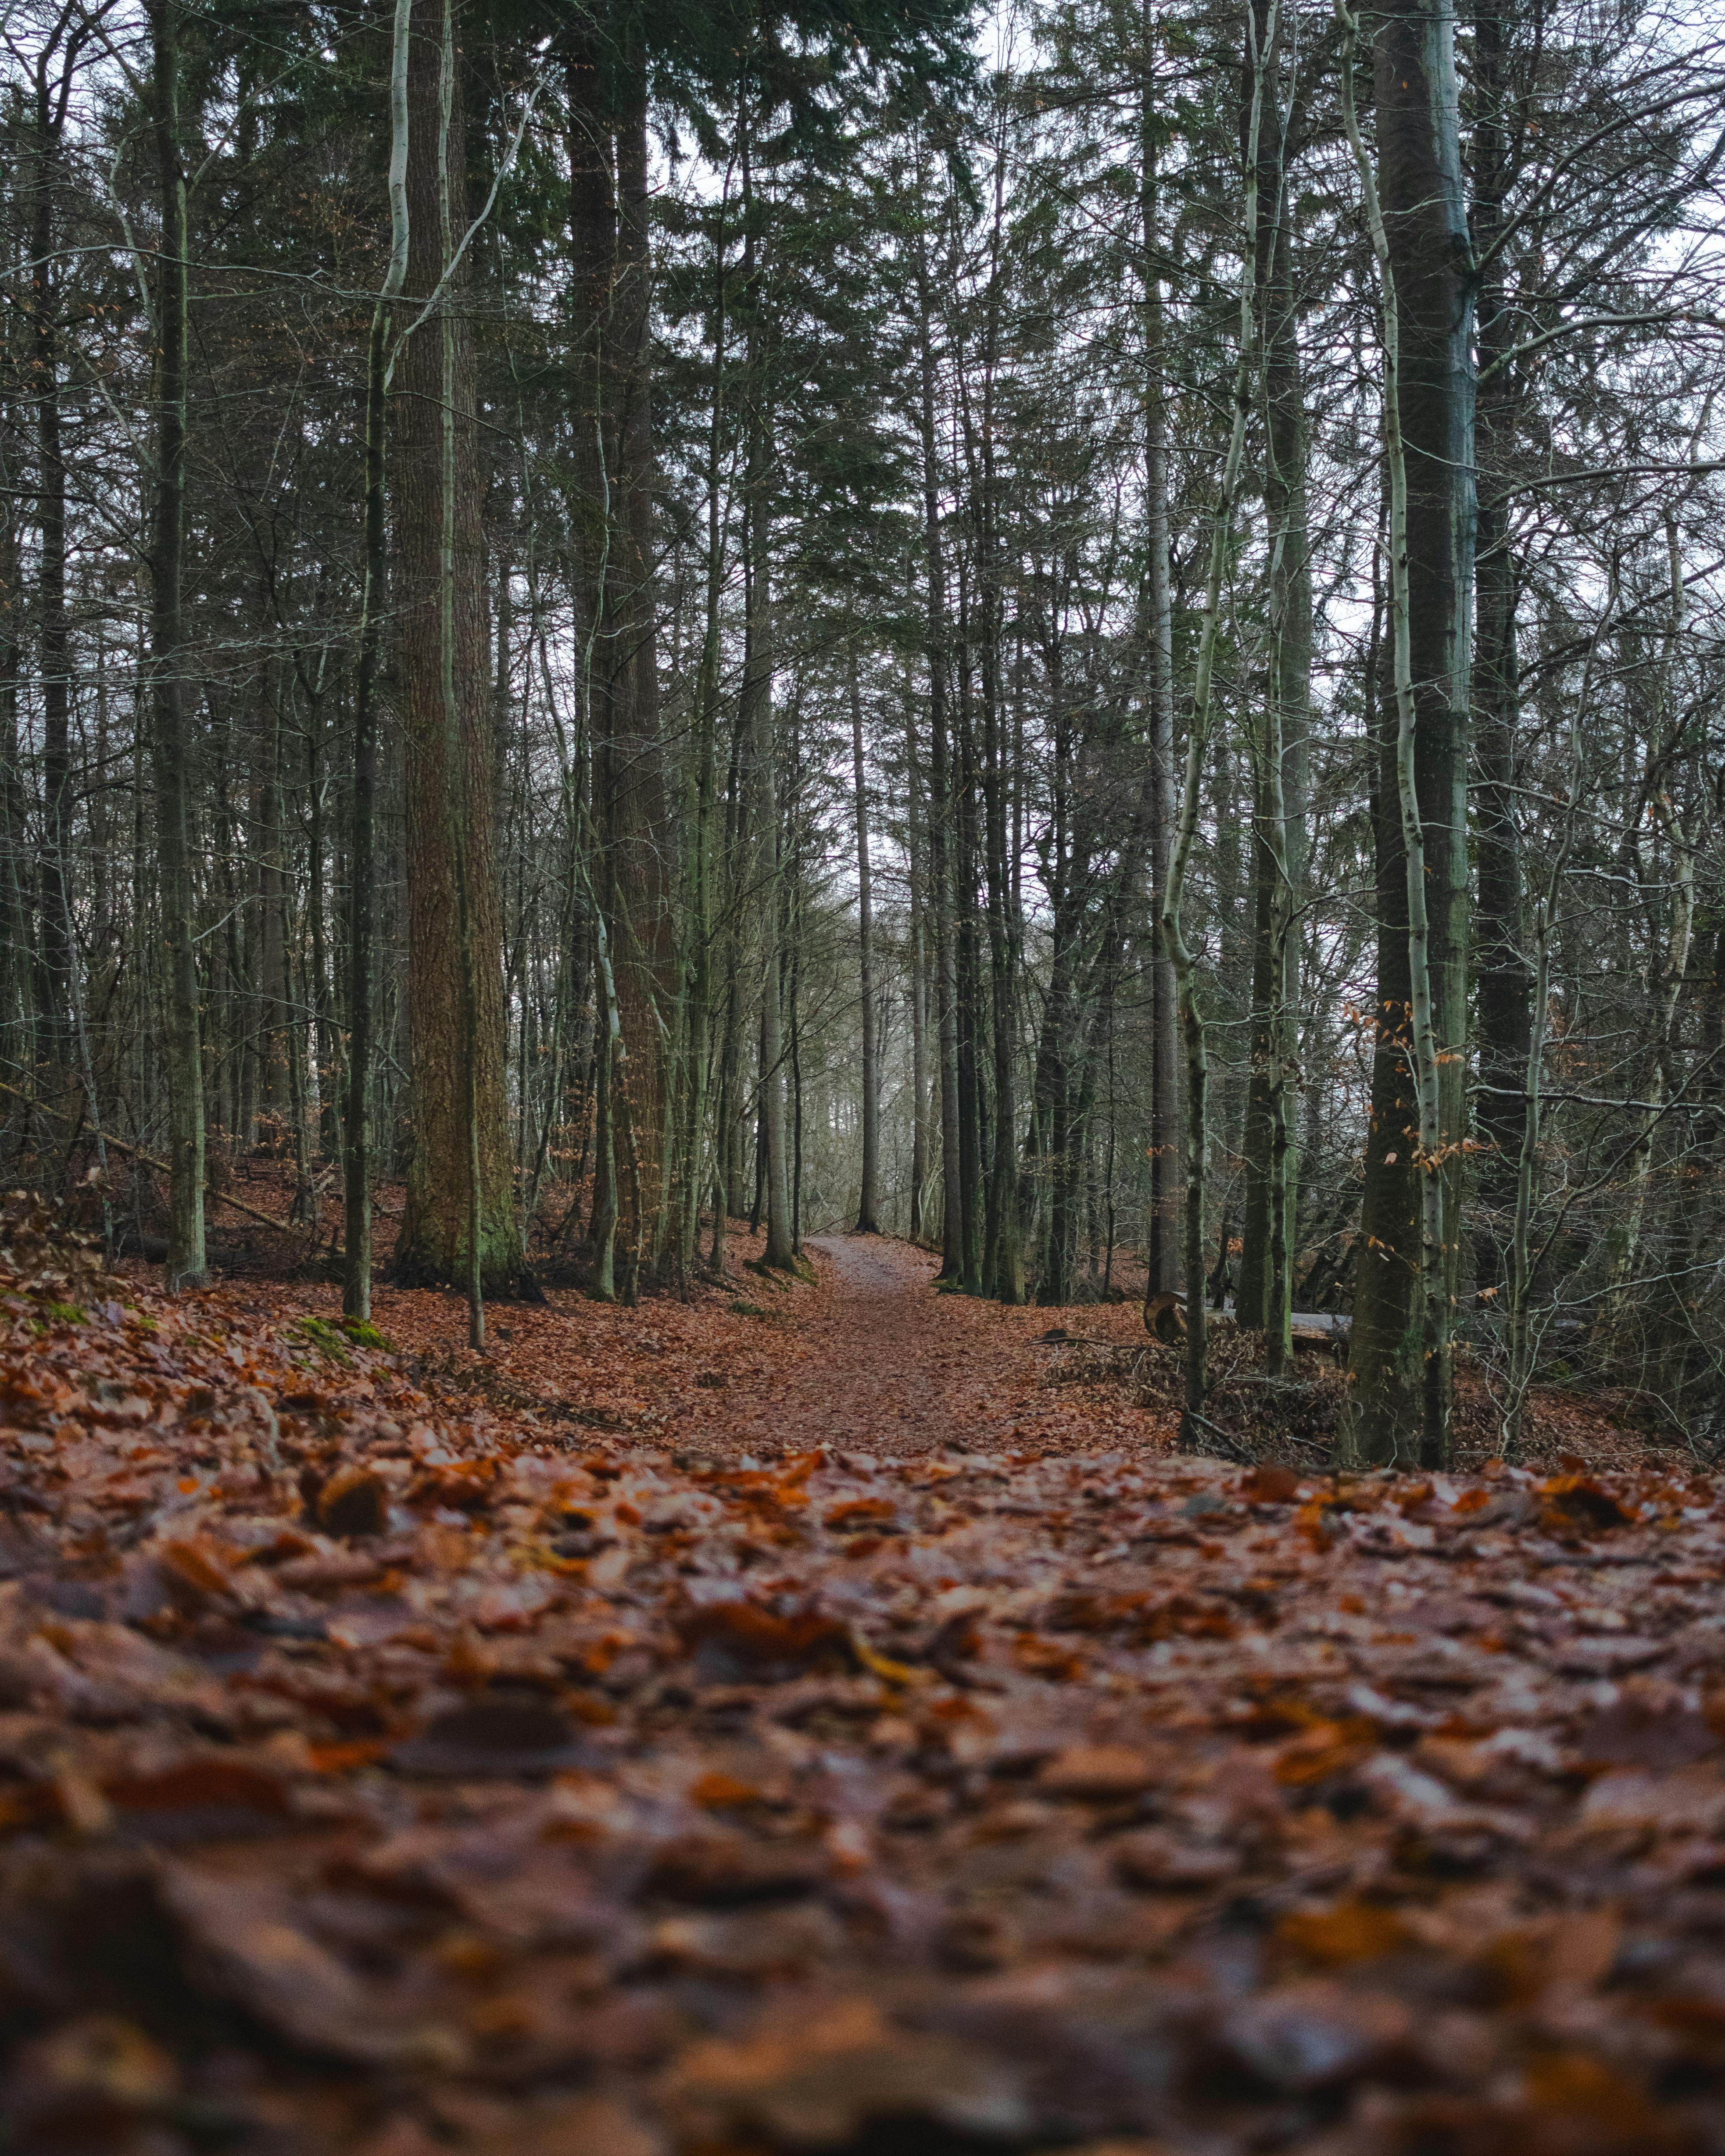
<point x="1264" y="1300"/>
<point x="15" y="937"/>
<point x="636" y="828"/>
<point x="868" y="1203"/>
<point x="916" y="871"/>
<point x="937" y="904"/>
<point x="962" y="869"/>
<point x="1162" y="1257"/>
<point x="755" y="717"/>
<point x="271" y="1001"/>
<point x="362" y="832"/>
<point x="613" y="428"/>
<point x="699" y="811"/>
<point x="1193" y="1026"/>
<point x="1400" y="1356"/>
<point x="55" y="944"/>
<point x="1003" y="1257"/>
<point x="1506" y="1023"/>
<point x="460" y="1216"/>
<point x="186" y="1258"/>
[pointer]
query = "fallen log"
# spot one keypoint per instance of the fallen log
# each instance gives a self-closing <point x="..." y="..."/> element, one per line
<point x="149" y="1160"/>
<point x="1165" y="1320"/>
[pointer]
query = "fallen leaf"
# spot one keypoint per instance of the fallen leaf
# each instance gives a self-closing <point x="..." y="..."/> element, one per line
<point x="355" y="1502"/>
<point x="817" y="2080"/>
<point x="493" y="1737"/>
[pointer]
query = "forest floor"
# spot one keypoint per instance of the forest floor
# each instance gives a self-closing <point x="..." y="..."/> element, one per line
<point x="820" y="1717"/>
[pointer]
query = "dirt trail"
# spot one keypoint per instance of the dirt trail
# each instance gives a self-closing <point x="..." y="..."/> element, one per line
<point x="869" y="1358"/>
<point x="892" y="1368"/>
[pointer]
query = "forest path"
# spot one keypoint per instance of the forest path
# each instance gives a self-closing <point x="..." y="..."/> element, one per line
<point x="889" y="1366"/>
<point x="882" y="1370"/>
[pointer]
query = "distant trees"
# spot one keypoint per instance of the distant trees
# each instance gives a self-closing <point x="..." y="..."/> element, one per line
<point x="1102" y="651"/>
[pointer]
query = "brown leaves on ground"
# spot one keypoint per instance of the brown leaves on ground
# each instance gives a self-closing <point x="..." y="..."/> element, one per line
<point x="382" y="1772"/>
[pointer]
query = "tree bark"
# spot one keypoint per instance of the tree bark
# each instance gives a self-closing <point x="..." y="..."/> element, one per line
<point x="1401" y="1359"/>
<point x="868" y="1202"/>
<point x="937" y="903"/>
<point x="637" y="832"/>
<point x="456" y="1016"/>
<point x="962" y="869"/>
<point x="1506" y="1018"/>
<point x="15" y="932"/>
<point x="1264" y="1299"/>
<point x="916" y="870"/>
<point x="363" y="830"/>
<point x="755" y="719"/>
<point x="1193" y="1027"/>
<point x="701" y="802"/>
<point x="187" y="1264"/>
<point x="612" y="427"/>
<point x="55" y="990"/>
<point x="1162" y="1257"/>
<point x="1002" y="1256"/>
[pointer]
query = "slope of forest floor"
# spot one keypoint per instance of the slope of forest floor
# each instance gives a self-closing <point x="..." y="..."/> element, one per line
<point x="659" y="1737"/>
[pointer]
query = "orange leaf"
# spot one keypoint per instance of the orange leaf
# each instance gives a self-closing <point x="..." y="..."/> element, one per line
<point x="1574" y="2082"/>
<point x="189" y="1566"/>
<point x="1350" y="1931"/>
<point x="860" y="1511"/>
<point x="1047" y="1658"/>
<point x="340" y="1758"/>
<point x="719" y="1793"/>
<point x="1326" y="1748"/>
<point x="1270" y="1485"/>
<point x="194" y="1784"/>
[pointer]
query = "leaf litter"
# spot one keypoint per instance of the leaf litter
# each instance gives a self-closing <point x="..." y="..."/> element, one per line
<point x="389" y="1765"/>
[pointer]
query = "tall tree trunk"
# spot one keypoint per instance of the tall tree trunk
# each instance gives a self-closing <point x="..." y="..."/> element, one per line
<point x="637" y="834"/>
<point x="613" y="428"/>
<point x="937" y="904"/>
<point x="460" y="1223"/>
<point x="755" y="716"/>
<point x="1506" y="1018"/>
<point x="15" y="938"/>
<point x="1002" y="1258"/>
<point x="1162" y="1257"/>
<point x="698" y="928"/>
<point x="54" y="991"/>
<point x="792" y="945"/>
<point x="729" y="1114"/>
<point x="363" y="830"/>
<point x="1193" y="1026"/>
<point x="1265" y="1296"/>
<point x="962" y="863"/>
<point x="1400" y="1363"/>
<point x="916" y="870"/>
<point x="271" y="1000"/>
<point x="1058" y="1054"/>
<point x="187" y="1264"/>
<point x="868" y="1203"/>
<point x="1005" y="1265"/>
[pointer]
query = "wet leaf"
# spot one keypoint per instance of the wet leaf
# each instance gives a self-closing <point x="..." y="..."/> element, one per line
<point x="735" y="1638"/>
<point x="250" y="1952"/>
<point x="1102" y="1771"/>
<point x="354" y="1502"/>
<point x="1315" y="2035"/>
<point x="817" y="2081"/>
<point x="494" y="1737"/>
